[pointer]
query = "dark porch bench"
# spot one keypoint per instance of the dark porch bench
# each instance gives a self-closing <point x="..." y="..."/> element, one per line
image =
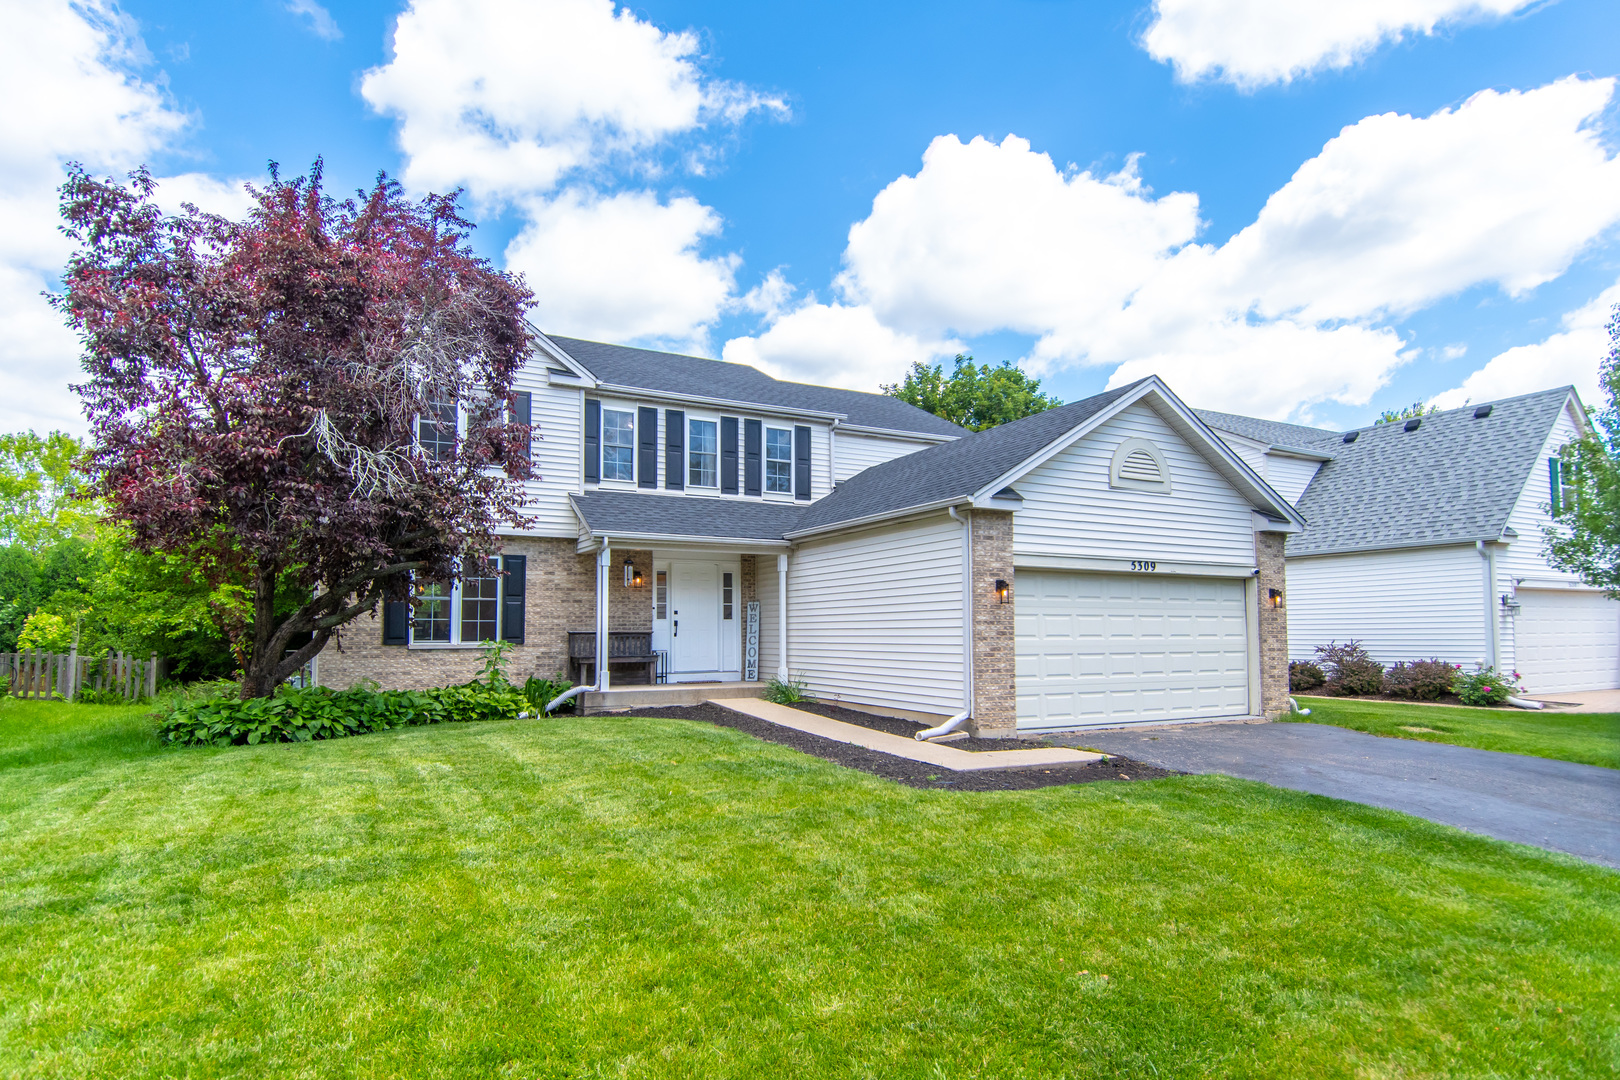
<point x="626" y="648"/>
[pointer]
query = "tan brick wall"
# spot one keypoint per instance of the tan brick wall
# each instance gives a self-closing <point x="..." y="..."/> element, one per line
<point x="560" y="595"/>
<point x="995" y="688"/>
<point x="1268" y="553"/>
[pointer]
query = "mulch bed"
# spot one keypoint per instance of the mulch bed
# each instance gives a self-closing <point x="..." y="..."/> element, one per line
<point x="893" y="725"/>
<point x="903" y="771"/>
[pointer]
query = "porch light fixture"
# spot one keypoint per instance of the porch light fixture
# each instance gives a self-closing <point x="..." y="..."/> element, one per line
<point x="1274" y="597"/>
<point x="1003" y="590"/>
<point x="1510" y="604"/>
<point x="632" y="576"/>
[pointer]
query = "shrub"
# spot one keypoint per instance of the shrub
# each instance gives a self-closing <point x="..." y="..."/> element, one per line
<point x="1304" y="675"/>
<point x="539" y="692"/>
<point x="1421" y="680"/>
<point x="1484" y="686"/>
<point x="303" y="715"/>
<point x="1350" y="671"/>
<point x="787" y="693"/>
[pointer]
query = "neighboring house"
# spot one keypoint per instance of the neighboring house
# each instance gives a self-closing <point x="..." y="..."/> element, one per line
<point x="1109" y="561"/>
<point x="1426" y="538"/>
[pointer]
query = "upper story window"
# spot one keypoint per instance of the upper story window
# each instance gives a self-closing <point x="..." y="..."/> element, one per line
<point x="703" y="453"/>
<point x="618" y="444"/>
<point x="1561" y="484"/>
<point x="779" y="460"/>
<point x="436" y="430"/>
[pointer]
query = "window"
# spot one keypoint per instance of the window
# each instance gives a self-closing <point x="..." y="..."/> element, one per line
<point x="725" y="596"/>
<point x="1561" y="481"/>
<point x="779" y="460"/>
<point x="661" y="595"/>
<point x="618" y="444"/>
<point x="431" y="612"/>
<point x="480" y="605"/>
<point x="461" y="614"/>
<point x="436" y="430"/>
<point x="703" y="453"/>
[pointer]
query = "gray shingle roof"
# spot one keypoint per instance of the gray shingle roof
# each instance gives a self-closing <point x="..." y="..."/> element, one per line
<point x="632" y="512"/>
<point x="1453" y="480"/>
<point x="951" y="470"/>
<point x="1271" y="432"/>
<point x="673" y="373"/>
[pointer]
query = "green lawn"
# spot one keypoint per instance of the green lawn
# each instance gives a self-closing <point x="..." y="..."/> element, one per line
<point x="1589" y="738"/>
<point x="658" y="898"/>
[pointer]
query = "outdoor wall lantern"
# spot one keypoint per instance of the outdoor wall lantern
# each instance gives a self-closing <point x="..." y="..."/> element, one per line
<point x="1274" y="597"/>
<point x="1510" y="604"/>
<point x="1003" y="590"/>
<point x="632" y="576"/>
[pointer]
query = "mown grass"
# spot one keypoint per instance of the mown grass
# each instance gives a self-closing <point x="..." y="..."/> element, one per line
<point x="659" y="898"/>
<point x="1588" y="738"/>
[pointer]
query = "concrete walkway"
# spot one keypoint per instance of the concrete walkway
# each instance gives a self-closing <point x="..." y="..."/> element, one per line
<point x="1529" y="800"/>
<point x="1583" y="701"/>
<point x="942" y="755"/>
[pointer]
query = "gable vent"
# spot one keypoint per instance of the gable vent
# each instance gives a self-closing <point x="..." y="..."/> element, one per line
<point x="1139" y="465"/>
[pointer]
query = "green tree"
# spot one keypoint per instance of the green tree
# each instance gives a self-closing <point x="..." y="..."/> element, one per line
<point x="42" y="486"/>
<point x="975" y="396"/>
<point x="1585" y="536"/>
<point x="1411" y="412"/>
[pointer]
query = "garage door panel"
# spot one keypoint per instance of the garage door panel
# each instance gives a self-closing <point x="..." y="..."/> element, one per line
<point x="1106" y="649"/>
<point x="1567" y="641"/>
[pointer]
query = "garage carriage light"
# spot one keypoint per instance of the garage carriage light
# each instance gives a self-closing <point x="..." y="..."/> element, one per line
<point x="1003" y="590"/>
<point x="632" y="576"/>
<point x="1510" y="604"/>
<point x="1274" y="597"/>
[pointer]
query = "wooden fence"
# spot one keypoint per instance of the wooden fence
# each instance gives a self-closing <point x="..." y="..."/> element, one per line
<point x="44" y="675"/>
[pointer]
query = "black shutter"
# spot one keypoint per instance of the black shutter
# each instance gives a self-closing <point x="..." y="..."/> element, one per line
<point x="753" y="448"/>
<point x="647" y="447"/>
<point x="675" y="449"/>
<point x="593" y="441"/>
<point x="512" y="589"/>
<point x="522" y="405"/>
<point x="801" y="462"/>
<point x="728" y="455"/>
<point x="396" y="622"/>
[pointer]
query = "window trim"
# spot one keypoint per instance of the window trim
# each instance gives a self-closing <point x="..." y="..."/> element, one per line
<point x="767" y="460"/>
<point x="633" y="445"/>
<point x="713" y="421"/>
<point x="456" y="598"/>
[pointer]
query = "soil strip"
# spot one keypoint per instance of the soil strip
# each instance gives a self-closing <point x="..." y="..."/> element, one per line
<point x="893" y="725"/>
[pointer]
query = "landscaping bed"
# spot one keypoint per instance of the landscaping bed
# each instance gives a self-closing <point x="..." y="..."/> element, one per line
<point x="902" y="770"/>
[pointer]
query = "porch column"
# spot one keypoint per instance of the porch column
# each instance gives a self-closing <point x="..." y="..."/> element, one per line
<point x="782" y="620"/>
<point x="604" y="566"/>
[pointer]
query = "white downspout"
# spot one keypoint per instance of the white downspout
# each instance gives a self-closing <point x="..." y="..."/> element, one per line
<point x="1493" y="629"/>
<point x="832" y="455"/>
<point x="955" y="722"/>
<point x="603" y="564"/>
<point x="781" y="618"/>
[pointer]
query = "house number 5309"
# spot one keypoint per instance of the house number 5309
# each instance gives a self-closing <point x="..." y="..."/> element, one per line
<point x="1142" y="564"/>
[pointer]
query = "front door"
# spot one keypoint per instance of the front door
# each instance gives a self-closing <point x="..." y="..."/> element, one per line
<point x="694" y="618"/>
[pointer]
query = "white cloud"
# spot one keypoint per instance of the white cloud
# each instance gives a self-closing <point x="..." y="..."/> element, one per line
<point x="227" y="198"/>
<point x="1251" y="43"/>
<point x="510" y="96"/>
<point x="1395" y="213"/>
<point x="623" y="267"/>
<point x="69" y="73"/>
<point x="321" y="23"/>
<point x="836" y="345"/>
<point x="1570" y="356"/>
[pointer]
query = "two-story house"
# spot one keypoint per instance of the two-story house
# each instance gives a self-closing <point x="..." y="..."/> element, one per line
<point x="1109" y="561"/>
<point x="1427" y="539"/>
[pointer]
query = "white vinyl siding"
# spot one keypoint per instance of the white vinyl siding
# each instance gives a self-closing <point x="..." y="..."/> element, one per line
<point x="1106" y="649"/>
<point x="1290" y="476"/>
<point x="1525" y="557"/>
<point x="1409" y="604"/>
<point x="856" y="453"/>
<point x="1567" y="641"/>
<point x="557" y="416"/>
<point x="876" y="617"/>
<point x="1069" y="509"/>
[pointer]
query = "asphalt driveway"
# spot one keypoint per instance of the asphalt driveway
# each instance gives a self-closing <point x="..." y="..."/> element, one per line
<point x="1529" y="800"/>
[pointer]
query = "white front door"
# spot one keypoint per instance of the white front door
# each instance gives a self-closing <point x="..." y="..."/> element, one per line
<point x="694" y="618"/>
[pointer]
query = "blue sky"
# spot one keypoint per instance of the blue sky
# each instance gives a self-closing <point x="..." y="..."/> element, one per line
<point x="688" y="175"/>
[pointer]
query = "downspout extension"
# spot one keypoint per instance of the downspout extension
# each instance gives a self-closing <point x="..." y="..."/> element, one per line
<point x="603" y="558"/>
<point x="955" y="722"/>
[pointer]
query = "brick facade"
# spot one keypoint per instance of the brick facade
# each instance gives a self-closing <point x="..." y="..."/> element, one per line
<point x="1268" y="553"/>
<point x="559" y="596"/>
<point x="995" y="689"/>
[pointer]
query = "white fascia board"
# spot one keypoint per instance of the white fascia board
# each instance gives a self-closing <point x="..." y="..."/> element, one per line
<point x="718" y="404"/>
<point x="1265" y="523"/>
<point x="1300" y="452"/>
<point x="1036" y="561"/>
<point x="895" y="433"/>
<point x="555" y="352"/>
<point x="650" y="540"/>
<point x="1382" y="549"/>
<point x="885" y="515"/>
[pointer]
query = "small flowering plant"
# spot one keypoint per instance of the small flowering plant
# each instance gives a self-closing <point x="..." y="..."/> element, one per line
<point x="1485" y="686"/>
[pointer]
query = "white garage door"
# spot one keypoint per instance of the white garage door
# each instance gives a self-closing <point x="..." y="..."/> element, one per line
<point x="1108" y="649"/>
<point x="1567" y="641"/>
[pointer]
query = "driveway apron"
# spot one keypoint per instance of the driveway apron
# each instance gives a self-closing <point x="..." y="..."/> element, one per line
<point x="1529" y="800"/>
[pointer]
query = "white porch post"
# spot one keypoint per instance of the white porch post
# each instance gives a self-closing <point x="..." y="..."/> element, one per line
<point x="604" y="564"/>
<point x="782" y="620"/>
